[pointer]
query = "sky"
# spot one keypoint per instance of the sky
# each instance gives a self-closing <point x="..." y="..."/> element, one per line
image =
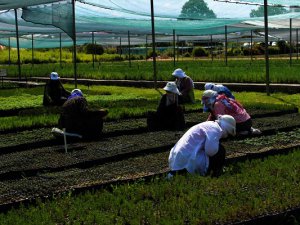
<point x="221" y="9"/>
<point x="230" y="10"/>
<point x="173" y="7"/>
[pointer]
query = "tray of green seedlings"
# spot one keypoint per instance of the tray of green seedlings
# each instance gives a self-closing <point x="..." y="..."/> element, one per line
<point x="126" y="156"/>
<point x="126" y="167"/>
<point x="22" y="140"/>
<point x="123" y="129"/>
<point x="46" y="117"/>
<point x="212" y="71"/>
<point x="23" y="107"/>
<point x="247" y="191"/>
<point x="125" y="146"/>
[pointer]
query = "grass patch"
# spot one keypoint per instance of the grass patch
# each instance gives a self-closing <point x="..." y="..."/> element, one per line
<point x="122" y="102"/>
<point x="237" y="70"/>
<point x="280" y="137"/>
<point x="21" y="122"/>
<point x="237" y="195"/>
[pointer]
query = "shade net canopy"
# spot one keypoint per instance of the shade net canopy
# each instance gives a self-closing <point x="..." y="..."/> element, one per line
<point x="49" y="23"/>
<point x="281" y="3"/>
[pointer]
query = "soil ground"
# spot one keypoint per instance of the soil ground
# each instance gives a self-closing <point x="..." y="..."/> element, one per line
<point x="34" y="164"/>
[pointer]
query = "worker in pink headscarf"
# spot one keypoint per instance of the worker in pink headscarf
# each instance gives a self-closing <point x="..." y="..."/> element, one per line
<point x="219" y="88"/>
<point x="220" y="105"/>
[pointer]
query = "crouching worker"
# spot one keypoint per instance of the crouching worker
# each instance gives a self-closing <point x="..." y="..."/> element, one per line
<point x="199" y="150"/>
<point x="78" y="119"/>
<point x="185" y="86"/>
<point x="54" y="92"/>
<point x="220" y="89"/>
<point x="220" y="105"/>
<point x="169" y="114"/>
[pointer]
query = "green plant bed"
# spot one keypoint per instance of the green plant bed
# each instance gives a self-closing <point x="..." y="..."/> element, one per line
<point x="25" y="172"/>
<point x="245" y="191"/>
<point x="8" y="85"/>
<point x="19" y="123"/>
<point x="133" y="126"/>
<point x="32" y="164"/>
<point x="126" y="143"/>
<point x="24" y="105"/>
<point x="13" y="141"/>
<point x="217" y="71"/>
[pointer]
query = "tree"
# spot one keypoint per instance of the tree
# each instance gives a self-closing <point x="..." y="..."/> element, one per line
<point x="196" y="9"/>
<point x="271" y="11"/>
<point x="283" y="47"/>
<point x="94" y="49"/>
<point x="199" y="51"/>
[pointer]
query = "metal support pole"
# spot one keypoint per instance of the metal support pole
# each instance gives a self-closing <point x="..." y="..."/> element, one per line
<point x="60" y="51"/>
<point x="93" y="44"/>
<point x="177" y="48"/>
<point x="120" y="47"/>
<point x="32" y="54"/>
<point x="182" y="50"/>
<point x="251" y="46"/>
<point x="267" y="47"/>
<point x="297" y="44"/>
<point x="174" y="49"/>
<point x="146" y="53"/>
<point x="74" y="45"/>
<point x="291" y="46"/>
<point x="18" y="46"/>
<point x="9" y="60"/>
<point x="129" y="50"/>
<point x="211" y="48"/>
<point x="226" y="45"/>
<point x="153" y="44"/>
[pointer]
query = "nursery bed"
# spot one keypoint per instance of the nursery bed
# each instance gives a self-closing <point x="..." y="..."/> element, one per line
<point x="33" y="163"/>
<point x="19" y="140"/>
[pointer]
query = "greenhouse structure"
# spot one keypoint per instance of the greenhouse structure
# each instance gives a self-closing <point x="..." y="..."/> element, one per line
<point x="64" y="23"/>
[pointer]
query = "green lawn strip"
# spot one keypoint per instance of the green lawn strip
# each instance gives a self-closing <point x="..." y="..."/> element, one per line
<point x="122" y="102"/>
<point x="199" y="70"/>
<point x="110" y="96"/>
<point x="22" y="122"/>
<point x="18" y="101"/>
<point x="245" y="191"/>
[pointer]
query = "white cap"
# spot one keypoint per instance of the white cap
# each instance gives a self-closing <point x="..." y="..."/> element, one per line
<point x="208" y="97"/>
<point x="54" y="76"/>
<point x="77" y="91"/>
<point x="228" y="125"/>
<point x="218" y="88"/>
<point x="171" y="87"/>
<point x="179" y="73"/>
<point x="209" y="86"/>
<point x="209" y="94"/>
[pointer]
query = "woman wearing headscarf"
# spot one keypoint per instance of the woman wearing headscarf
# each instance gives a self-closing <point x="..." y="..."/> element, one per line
<point x="185" y="86"/>
<point x="77" y="118"/>
<point x="199" y="150"/>
<point x="222" y="105"/>
<point x="169" y="114"/>
<point x="220" y="89"/>
<point x="54" y="92"/>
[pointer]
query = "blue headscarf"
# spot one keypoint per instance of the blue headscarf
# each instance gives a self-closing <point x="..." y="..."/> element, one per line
<point x="75" y="93"/>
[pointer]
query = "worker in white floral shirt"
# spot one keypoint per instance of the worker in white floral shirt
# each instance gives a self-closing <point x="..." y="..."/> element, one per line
<point x="199" y="150"/>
